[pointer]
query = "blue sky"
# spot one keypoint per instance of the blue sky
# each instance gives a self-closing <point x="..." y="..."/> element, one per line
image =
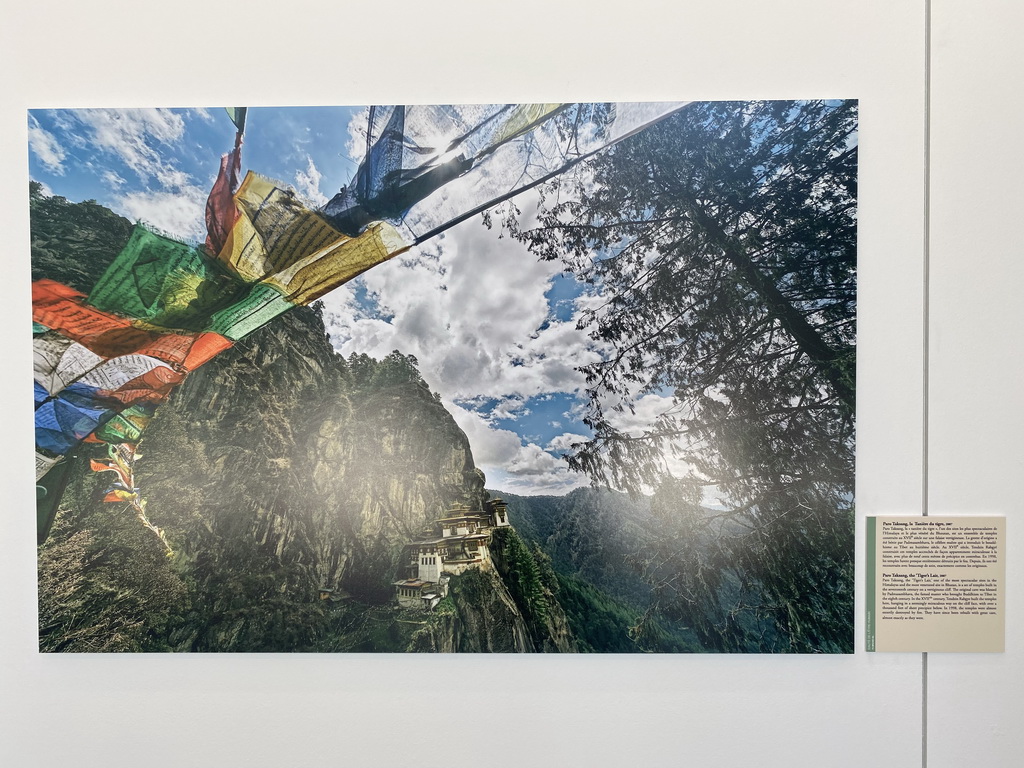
<point x="493" y="328"/>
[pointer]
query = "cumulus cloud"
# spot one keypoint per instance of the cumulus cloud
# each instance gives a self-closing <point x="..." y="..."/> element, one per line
<point x="473" y="308"/>
<point x="564" y="442"/>
<point x="45" y="147"/>
<point x="531" y="460"/>
<point x="509" y="408"/>
<point x="355" y="146"/>
<point x="130" y="135"/>
<point x="510" y="463"/>
<point x="178" y="212"/>
<point x="646" y="409"/>
<point x="491" y="446"/>
<point x="143" y="144"/>
<point x="307" y="183"/>
<point x="535" y="472"/>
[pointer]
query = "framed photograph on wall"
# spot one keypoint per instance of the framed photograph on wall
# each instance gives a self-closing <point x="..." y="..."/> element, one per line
<point x="566" y="377"/>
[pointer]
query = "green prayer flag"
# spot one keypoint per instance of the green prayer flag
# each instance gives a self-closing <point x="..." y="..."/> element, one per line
<point x="165" y="283"/>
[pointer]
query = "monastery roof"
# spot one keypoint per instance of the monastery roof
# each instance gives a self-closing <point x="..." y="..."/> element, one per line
<point x="463" y="516"/>
<point x="467" y="537"/>
<point x="411" y="583"/>
<point x="448" y="539"/>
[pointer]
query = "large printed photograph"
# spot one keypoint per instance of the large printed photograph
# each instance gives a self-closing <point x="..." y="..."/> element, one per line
<point x="568" y="378"/>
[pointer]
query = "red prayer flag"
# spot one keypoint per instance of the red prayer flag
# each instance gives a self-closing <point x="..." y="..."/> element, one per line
<point x="63" y="309"/>
<point x="151" y="387"/>
<point x="221" y="212"/>
<point x="98" y="466"/>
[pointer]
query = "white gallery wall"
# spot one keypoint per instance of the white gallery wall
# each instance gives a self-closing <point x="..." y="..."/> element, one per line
<point x="358" y="710"/>
<point x="976" y="358"/>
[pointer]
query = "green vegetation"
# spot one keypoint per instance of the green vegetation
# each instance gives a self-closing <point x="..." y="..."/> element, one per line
<point x="616" y="559"/>
<point x="599" y="622"/>
<point x="590" y="534"/>
<point x="73" y="243"/>
<point x="522" y="574"/>
<point x="486" y="624"/>
<point x="108" y="587"/>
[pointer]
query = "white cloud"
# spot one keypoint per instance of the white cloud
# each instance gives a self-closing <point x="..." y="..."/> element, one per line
<point x="646" y="409"/>
<point x="509" y="408"/>
<point x="143" y="140"/>
<point x="472" y="308"/>
<point x="178" y="212"/>
<point x="532" y="460"/>
<point x="508" y="463"/>
<point x="307" y="183"/>
<point x="493" y="447"/>
<point x="564" y="442"/>
<point x="534" y="472"/>
<point x="355" y="147"/>
<point x="45" y="147"/>
<point x="112" y="179"/>
<point x="63" y="120"/>
<point x="130" y="133"/>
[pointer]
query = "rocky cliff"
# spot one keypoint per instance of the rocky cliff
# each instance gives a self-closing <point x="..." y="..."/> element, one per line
<point x="511" y="609"/>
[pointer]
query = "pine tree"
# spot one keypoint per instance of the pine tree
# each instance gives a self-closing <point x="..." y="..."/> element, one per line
<point x="722" y="242"/>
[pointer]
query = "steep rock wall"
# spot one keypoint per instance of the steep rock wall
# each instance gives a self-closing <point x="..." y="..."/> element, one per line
<point x="274" y="468"/>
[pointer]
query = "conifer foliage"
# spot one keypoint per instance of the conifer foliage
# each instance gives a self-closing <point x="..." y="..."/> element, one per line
<point x="722" y="244"/>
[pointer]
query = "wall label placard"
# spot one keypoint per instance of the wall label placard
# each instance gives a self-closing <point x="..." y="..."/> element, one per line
<point x="936" y="583"/>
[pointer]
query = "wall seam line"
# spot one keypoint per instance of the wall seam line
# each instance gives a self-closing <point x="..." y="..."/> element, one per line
<point x="926" y="366"/>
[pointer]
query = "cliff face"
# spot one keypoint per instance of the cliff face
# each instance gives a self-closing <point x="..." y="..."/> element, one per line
<point x="306" y="474"/>
<point x="319" y="464"/>
<point x="478" y="615"/>
<point x="512" y="608"/>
